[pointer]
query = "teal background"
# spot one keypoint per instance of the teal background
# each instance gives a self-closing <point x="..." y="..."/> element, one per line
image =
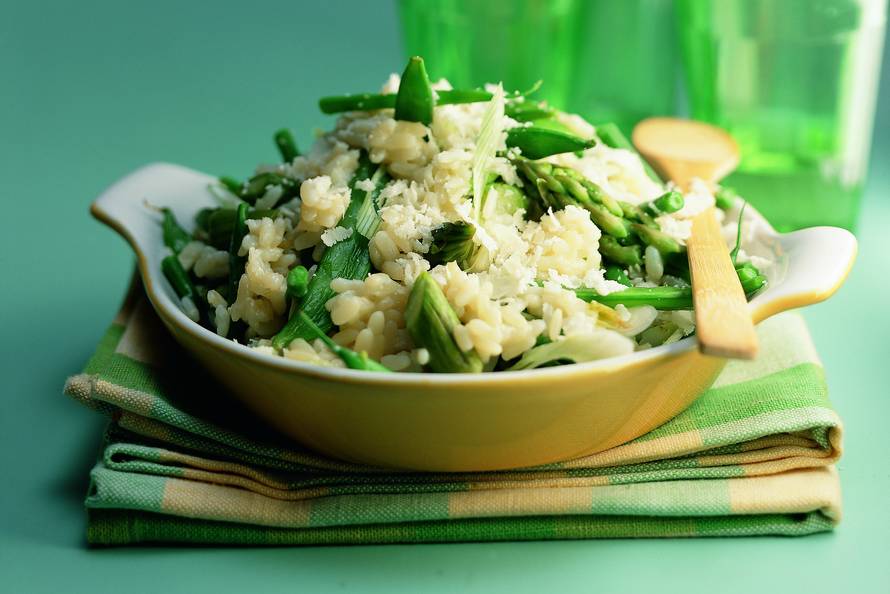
<point x="91" y="90"/>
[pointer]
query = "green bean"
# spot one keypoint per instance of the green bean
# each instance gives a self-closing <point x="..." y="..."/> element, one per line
<point x="614" y="138"/>
<point x="669" y="298"/>
<point x="345" y="259"/>
<point x="371" y="101"/>
<point x="178" y="277"/>
<point x="175" y="237"/>
<point x="414" y="101"/>
<point x="629" y="255"/>
<point x="217" y="223"/>
<point x="297" y="282"/>
<point x="352" y="359"/>
<point x="661" y="298"/>
<point x="287" y="146"/>
<point x="536" y="142"/>
<point x="236" y="262"/>
<point x="455" y="96"/>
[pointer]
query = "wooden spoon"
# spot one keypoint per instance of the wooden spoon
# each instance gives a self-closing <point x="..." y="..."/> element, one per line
<point x="681" y="150"/>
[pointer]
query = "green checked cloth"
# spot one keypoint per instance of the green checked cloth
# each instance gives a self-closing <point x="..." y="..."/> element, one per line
<point x="182" y="462"/>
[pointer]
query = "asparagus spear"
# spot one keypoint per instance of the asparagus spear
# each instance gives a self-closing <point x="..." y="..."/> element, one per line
<point x="431" y="322"/>
<point x="454" y="242"/>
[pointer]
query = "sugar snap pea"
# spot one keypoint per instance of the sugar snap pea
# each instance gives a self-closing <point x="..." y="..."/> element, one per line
<point x="414" y="101"/>
<point x="536" y="142"/>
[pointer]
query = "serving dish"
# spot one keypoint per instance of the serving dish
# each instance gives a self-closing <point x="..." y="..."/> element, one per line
<point x="456" y="422"/>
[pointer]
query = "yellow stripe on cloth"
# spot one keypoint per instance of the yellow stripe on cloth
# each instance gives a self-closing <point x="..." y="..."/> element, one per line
<point x="204" y="500"/>
<point x="797" y="491"/>
<point x="520" y="502"/>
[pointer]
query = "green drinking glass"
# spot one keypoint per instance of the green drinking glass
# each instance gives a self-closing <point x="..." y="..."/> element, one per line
<point x="628" y="67"/>
<point x="517" y="42"/>
<point x="795" y="82"/>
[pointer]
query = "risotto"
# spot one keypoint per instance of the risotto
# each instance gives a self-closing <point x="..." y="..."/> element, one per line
<point x="444" y="230"/>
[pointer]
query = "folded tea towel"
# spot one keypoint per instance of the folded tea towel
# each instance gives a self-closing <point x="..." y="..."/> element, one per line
<point x="182" y="462"/>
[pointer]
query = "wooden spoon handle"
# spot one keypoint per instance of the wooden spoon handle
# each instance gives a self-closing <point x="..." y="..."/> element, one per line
<point x="723" y="323"/>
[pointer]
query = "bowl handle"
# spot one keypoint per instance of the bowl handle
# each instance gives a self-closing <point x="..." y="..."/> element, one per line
<point x="819" y="260"/>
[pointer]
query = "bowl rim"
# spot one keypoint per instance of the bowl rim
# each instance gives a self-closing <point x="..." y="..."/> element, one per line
<point x="171" y="314"/>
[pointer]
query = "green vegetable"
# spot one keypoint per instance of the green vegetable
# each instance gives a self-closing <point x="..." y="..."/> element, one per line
<point x="750" y="278"/>
<point x="577" y="348"/>
<point x="613" y="137"/>
<point x="636" y="214"/>
<point x="486" y="148"/>
<point x="627" y="255"/>
<point x="414" y="101"/>
<point x="536" y="142"/>
<point x="453" y="242"/>
<point x="510" y="199"/>
<point x="368" y="219"/>
<point x="661" y="241"/>
<point x="372" y="101"/>
<point x="175" y="237"/>
<point x="352" y="359"/>
<point x="669" y="202"/>
<point x="669" y="298"/>
<point x="217" y="223"/>
<point x="738" y="234"/>
<point x="662" y="298"/>
<point x="527" y="111"/>
<point x="557" y="188"/>
<point x="345" y="259"/>
<point x="232" y="184"/>
<point x="259" y="184"/>
<point x="287" y="146"/>
<point x="297" y="282"/>
<point x="431" y="321"/>
<point x="614" y="273"/>
<point x="179" y="278"/>
<point x="725" y="198"/>
<point x="236" y="262"/>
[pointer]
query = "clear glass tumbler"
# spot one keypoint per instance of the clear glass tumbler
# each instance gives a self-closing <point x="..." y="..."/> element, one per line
<point x="795" y="82"/>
